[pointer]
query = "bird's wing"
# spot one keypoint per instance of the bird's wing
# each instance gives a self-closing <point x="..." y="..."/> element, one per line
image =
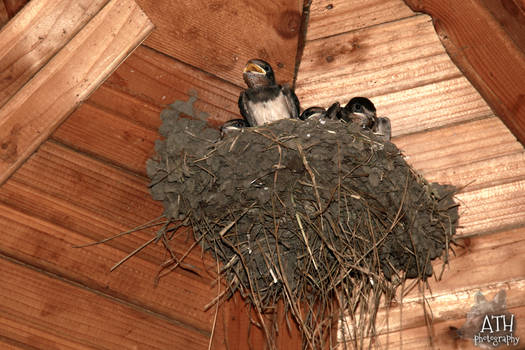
<point x="243" y="108"/>
<point x="292" y="101"/>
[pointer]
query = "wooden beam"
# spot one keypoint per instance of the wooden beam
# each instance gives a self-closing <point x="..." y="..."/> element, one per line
<point x="39" y="32"/>
<point x="487" y="50"/>
<point x="73" y="73"/>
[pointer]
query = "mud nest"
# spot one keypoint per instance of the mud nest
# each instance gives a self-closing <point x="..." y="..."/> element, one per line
<point x="322" y="215"/>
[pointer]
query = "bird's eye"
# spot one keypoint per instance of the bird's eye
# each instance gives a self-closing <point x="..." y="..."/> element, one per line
<point x="357" y="107"/>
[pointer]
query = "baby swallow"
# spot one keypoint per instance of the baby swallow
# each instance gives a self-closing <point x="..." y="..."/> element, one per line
<point x="359" y="110"/>
<point x="234" y="125"/>
<point x="264" y="101"/>
<point x="313" y="112"/>
<point x="320" y="112"/>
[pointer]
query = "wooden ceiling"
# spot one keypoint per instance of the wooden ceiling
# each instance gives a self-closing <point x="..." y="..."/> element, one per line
<point x="87" y="180"/>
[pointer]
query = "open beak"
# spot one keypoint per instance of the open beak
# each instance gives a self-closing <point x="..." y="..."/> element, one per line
<point x="252" y="67"/>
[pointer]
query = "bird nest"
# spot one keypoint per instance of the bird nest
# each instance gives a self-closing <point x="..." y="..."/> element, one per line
<point x="324" y="216"/>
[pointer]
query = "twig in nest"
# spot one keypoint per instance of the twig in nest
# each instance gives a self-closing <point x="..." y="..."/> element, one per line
<point x="274" y="139"/>
<point x="312" y="176"/>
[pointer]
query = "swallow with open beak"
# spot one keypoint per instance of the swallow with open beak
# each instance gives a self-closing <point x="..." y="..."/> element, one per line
<point x="264" y="101"/>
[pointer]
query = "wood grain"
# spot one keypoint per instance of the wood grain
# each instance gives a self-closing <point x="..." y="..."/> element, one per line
<point x="150" y="79"/>
<point x="496" y="67"/>
<point x="67" y="80"/>
<point x="220" y="36"/>
<point x="78" y="200"/>
<point x="481" y="155"/>
<point x="119" y="122"/>
<point x="511" y="16"/>
<point x="59" y="312"/>
<point x="401" y="65"/>
<point x="499" y="207"/>
<point x="482" y="174"/>
<point x="333" y="17"/>
<point x="430" y="106"/>
<point x="458" y="145"/>
<point x="41" y="30"/>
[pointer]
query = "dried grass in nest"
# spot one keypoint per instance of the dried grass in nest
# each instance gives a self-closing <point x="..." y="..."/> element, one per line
<point x="321" y="215"/>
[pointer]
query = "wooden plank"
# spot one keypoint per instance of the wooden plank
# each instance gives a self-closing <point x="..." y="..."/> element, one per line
<point x="64" y="313"/>
<point x="431" y="106"/>
<point x="117" y="139"/>
<point x="243" y="334"/>
<point x="511" y="17"/>
<point x="493" y="208"/>
<point x="78" y="200"/>
<point x="333" y="17"/>
<point x="482" y="174"/>
<point x="43" y="218"/>
<point x="485" y="53"/>
<point x="33" y="114"/>
<point x="119" y="122"/>
<point x="158" y="80"/>
<point x="41" y="30"/>
<point x="219" y="37"/>
<point x="458" y="145"/>
<point x="493" y="200"/>
<point x="402" y="66"/>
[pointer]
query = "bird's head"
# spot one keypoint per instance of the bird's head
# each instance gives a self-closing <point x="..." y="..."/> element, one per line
<point x="313" y="112"/>
<point x="234" y="125"/>
<point x="258" y="73"/>
<point x="361" y="111"/>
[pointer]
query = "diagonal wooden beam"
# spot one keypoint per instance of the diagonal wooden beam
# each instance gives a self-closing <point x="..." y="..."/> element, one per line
<point x="76" y="69"/>
<point x="485" y="39"/>
<point x="41" y="30"/>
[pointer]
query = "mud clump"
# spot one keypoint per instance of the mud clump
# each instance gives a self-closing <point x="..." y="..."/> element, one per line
<point x="303" y="211"/>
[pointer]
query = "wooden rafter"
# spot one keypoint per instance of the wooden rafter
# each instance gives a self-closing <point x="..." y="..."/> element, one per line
<point x="485" y="39"/>
<point x="38" y="103"/>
